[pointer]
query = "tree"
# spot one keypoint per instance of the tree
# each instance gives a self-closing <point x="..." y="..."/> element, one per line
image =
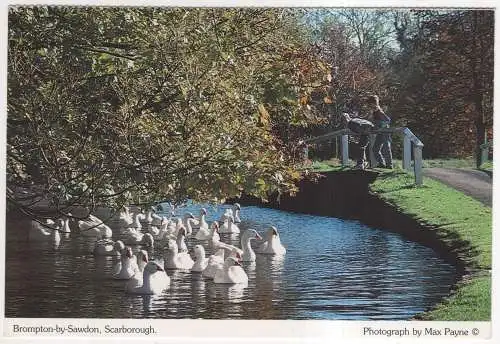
<point x="108" y="106"/>
<point x="446" y="78"/>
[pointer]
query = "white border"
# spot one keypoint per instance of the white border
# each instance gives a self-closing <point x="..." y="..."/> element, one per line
<point x="264" y="331"/>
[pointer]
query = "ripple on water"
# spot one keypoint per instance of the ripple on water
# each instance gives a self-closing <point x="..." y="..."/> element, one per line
<point x="333" y="269"/>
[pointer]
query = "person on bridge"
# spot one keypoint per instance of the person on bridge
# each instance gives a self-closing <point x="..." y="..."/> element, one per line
<point x="363" y="127"/>
<point x="382" y="144"/>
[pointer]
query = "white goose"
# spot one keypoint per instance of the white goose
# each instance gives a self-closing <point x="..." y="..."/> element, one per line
<point x="92" y="226"/>
<point x="45" y="231"/>
<point x="231" y="249"/>
<point x="205" y="233"/>
<point x="214" y="236"/>
<point x="137" y="221"/>
<point x="215" y="262"/>
<point x="248" y="253"/>
<point x="236" y="211"/>
<point x="65" y="226"/>
<point x="233" y="211"/>
<point x="272" y="243"/>
<point x="159" y="231"/>
<point x="127" y="266"/>
<point x="125" y="218"/>
<point x="231" y="273"/>
<point x="181" y="243"/>
<point x="172" y="230"/>
<point x="142" y="260"/>
<point x="152" y="218"/>
<point x="108" y="247"/>
<point x="174" y="225"/>
<point x="201" y="261"/>
<point x="154" y="281"/>
<point x="229" y="226"/>
<point x="139" y="239"/>
<point x="189" y="220"/>
<point x="200" y="221"/>
<point x="175" y="259"/>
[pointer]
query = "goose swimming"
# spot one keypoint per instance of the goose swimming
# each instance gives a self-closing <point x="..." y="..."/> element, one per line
<point x="248" y="254"/>
<point x="138" y="238"/>
<point x="92" y="226"/>
<point x="201" y="261"/>
<point x="189" y="220"/>
<point x="108" y="247"/>
<point x="272" y="243"/>
<point x="154" y="281"/>
<point x="43" y="231"/>
<point x="175" y="259"/>
<point x="233" y="211"/>
<point x="229" y="227"/>
<point x="215" y="262"/>
<point x="231" y="273"/>
<point x="205" y="233"/>
<point x="127" y="265"/>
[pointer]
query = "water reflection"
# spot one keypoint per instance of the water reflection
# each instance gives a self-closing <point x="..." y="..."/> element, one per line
<point x="333" y="269"/>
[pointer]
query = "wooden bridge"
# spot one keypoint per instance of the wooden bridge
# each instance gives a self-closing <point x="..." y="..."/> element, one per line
<point x="410" y="143"/>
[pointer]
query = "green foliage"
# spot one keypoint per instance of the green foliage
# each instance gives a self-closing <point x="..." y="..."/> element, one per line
<point x="112" y="105"/>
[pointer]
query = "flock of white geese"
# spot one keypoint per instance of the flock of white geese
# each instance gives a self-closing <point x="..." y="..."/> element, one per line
<point x="145" y="276"/>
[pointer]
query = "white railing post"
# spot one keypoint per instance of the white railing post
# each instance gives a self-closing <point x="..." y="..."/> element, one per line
<point x="417" y="154"/>
<point x="410" y="141"/>
<point x="345" y="149"/>
<point x="305" y="152"/>
<point x="406" y="153"/>
<point x="484" y="152"/>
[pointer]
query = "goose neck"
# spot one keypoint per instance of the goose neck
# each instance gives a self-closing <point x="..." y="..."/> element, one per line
<point x="245" y="243"/>
<point x="137" y="220"/>
<point x="146" y="279"/>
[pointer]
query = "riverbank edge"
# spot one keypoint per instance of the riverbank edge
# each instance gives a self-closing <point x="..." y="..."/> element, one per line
<point x="474" y="286"/>
<point x="474" y="283"/>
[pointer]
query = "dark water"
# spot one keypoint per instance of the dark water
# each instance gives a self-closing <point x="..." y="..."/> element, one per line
<point x="333" y="269"/>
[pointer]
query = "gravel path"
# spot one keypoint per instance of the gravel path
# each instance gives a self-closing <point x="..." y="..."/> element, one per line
<point x="473" y="183"/>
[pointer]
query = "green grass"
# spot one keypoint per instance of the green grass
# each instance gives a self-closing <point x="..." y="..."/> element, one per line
<point x="459" y="221"/>
<point x="471" y="302"/>
<point x="334" y="164"/>
<point x="456" y="163"/>
<point x="487" y="167"/>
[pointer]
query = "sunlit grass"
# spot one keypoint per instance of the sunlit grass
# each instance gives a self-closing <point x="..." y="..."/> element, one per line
<point x="457" y="219"/>
<point x="468" y="163"/>
<point x="471" y="302"/>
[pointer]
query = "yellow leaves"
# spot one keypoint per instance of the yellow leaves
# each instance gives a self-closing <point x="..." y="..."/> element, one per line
<point x="295" y="175"/>
<point x="304" y="100"/>
<point x="264" y="117"/>
<point x="328" y="100"/>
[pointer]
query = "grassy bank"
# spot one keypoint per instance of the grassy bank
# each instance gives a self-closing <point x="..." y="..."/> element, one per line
<point x="464" y="224"/>
<point x="334" y="164"/>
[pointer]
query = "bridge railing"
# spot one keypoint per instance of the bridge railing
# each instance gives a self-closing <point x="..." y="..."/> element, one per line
<point x="410" y="143"/>
<point x="485" y="149"/>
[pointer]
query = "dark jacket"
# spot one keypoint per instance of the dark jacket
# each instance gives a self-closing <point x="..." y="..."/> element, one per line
<point x="360" y="126"/>
<point x="380" y="119"/>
